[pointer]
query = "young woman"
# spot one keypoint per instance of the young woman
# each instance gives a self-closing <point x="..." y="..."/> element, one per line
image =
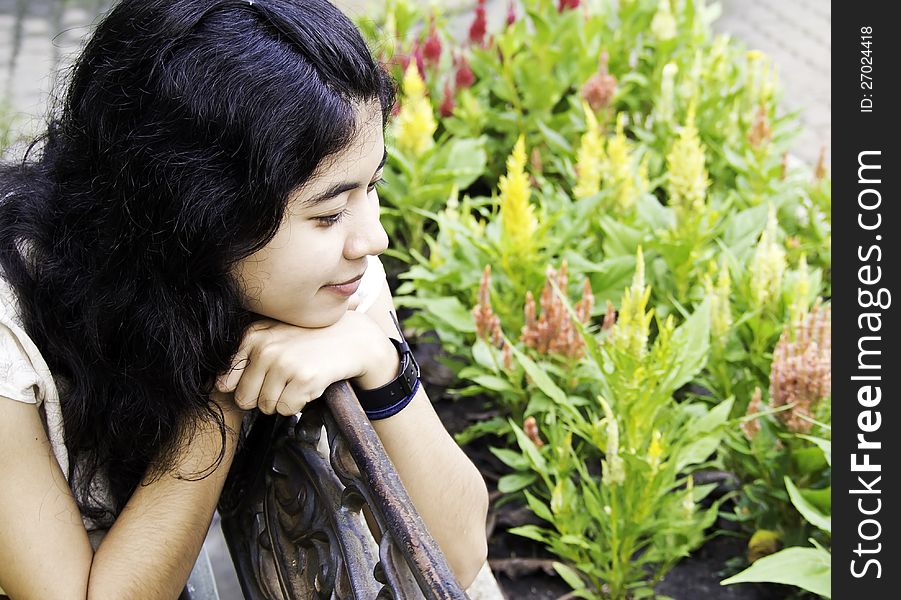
<point x="176" y="250"/>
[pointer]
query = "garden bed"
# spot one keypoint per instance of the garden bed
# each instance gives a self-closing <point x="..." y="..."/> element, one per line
<point x="524" y="569"/>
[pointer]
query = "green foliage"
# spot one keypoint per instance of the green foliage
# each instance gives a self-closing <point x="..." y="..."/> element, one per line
<point x="646" y="158"/>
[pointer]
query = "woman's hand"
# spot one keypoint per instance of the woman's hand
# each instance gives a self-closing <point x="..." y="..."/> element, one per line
<point x="280" y="367"/>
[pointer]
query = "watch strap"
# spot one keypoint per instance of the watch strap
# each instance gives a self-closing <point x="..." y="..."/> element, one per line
<point x="389" y="399"/>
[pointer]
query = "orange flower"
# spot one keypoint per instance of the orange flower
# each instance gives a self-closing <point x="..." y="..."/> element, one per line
<point x="487" y="323"/>
<point x="801" y="373"/>
<point x="752" y="427"/>
<point x="760" y="131"/>
<point x="609" y="317"/>
<point x="553" y="331"/>
<point x="820" y="172"/>
<point x="530" y="427"/>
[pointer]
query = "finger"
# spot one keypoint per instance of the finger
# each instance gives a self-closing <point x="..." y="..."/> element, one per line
<point x="247" y="390"/>
<point x="227" y="381"/>
<point x="294" y="398"/>
<point x="270" y="391"/>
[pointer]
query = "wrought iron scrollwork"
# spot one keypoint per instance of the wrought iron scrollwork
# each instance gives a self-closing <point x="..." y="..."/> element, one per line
<point x="292" y="515"/>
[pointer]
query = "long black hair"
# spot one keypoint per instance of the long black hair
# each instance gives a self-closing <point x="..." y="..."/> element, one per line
<point x="169" y="158"/>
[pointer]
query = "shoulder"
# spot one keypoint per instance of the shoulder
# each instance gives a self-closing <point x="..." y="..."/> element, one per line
<point x="18" y="375"/>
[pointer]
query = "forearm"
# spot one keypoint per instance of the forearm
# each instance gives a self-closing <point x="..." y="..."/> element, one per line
<point x="150" y="550"/>
<point x="446" y="488"/>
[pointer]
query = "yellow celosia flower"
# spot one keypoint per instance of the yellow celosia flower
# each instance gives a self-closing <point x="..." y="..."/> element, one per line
<point x="720" y="306"/>
<point x="415" y="124"/>
<point x="688" y="500"/>
<point x="663" y="25"/>
<point x="800" y="293"/>
<point x="763" y="76"/>
<point x="517" y="214"/>
<point x="614" y="472"/>
<point x="630" y="334"/>
<point x="666" y="106"/>
<point x="768" y="264"/>
<point x="718" y="61"/>
<point x="655" y="450"/>
<point x="688" y="180"/>
<point x="618" y="168"/>
<point x="557" y="499"/>
<point x="588" y="162"/>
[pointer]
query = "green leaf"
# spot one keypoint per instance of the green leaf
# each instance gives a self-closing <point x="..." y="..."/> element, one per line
<point x="807" y="568"/>
<point x="464" y="162"/>
<point x="556" y="142"/>
<point x="515" y="482"/>
<point x="690" y="344"/>
<point x="533" y="532"/>
<point x="538" y="507"/>
<point x="808" y="510"/>
<point x="657" y="216"/>
<point x="447" y="309"/>
<point x="809" y="460"/>
<point x="490" y="382"/>
<point x="482" y="353"/>
<point x="495" y="425"/>
<point x="825" y="445"/>
<point x="570" y="576"/>
<point x="705" y="434"/>
<point x="529" y="448"/>
<point x="539" y="377"/>
<point x="513" y="459"/>
<point x="821" y="498"/>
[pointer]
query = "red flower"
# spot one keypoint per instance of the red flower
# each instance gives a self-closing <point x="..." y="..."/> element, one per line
<point x="565" y="4"/>
<point x="420" y="60"/>
<point x="478" y="27"/>
<point x="447" y="105"/>
<point x="511" y="13"/>
<point x="432" y="47"/>
<point x="464" y="77"/>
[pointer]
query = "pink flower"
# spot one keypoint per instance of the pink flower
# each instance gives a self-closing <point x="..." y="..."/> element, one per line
<point x="432" y="46"/>
<point x="511" y="13"/>
<point x="420" y="59"/>
<point x="464" y="77"/>
<point x="600" y="88"/>
<point x="479" y="24"/>
<point x="565" y="4"/>
<point x="447" y="105"/>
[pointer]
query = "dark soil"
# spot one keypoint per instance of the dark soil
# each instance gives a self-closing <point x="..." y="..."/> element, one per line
<point x="523" y="568"/>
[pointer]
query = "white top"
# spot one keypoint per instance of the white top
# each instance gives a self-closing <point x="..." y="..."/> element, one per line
<point x="25" y="377"/>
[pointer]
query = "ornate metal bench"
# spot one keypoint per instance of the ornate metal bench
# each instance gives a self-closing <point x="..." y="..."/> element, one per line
<point x="291" y="516"/>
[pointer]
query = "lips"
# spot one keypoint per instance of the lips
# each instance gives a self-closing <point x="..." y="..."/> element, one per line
<point x="349" y="281"/>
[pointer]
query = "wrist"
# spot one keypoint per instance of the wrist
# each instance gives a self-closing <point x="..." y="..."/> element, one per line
<point x="381" y="364"/>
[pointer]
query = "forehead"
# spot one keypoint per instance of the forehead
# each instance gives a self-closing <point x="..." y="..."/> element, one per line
<point x="366" y="146"/>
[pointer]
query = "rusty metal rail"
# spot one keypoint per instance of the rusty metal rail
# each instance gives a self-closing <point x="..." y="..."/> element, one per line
<point x="292" y="516"/>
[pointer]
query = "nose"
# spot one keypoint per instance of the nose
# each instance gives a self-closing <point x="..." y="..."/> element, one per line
<point x="367" y="235"/>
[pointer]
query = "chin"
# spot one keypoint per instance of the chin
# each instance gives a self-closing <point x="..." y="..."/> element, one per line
<point x="324" y="318"/>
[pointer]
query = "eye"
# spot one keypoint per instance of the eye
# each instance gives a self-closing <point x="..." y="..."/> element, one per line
<point x="330" y="220"/>
<point x="377" y="183"/>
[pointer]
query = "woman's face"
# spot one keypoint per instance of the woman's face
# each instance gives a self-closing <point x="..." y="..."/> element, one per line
<point x="330" y="227"/>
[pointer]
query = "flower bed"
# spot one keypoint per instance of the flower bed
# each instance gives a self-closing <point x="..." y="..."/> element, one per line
<point x="593" y="211"/>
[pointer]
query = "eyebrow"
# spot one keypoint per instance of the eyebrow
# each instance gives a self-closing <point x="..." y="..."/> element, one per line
<point x="338" y="188"/>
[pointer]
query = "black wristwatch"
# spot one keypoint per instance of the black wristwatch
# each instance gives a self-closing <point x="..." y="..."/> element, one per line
<point x="389" y="399"/>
